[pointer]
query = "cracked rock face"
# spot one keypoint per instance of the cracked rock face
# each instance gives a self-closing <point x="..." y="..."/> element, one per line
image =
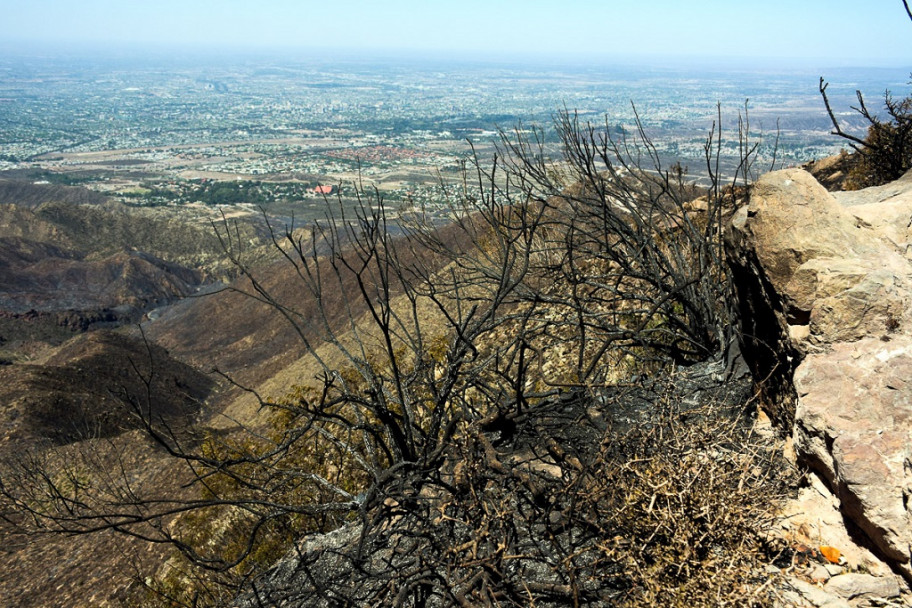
<point x="862" y="587"/>
<point x="832" y="286"/>
<point x="853" y="424"/>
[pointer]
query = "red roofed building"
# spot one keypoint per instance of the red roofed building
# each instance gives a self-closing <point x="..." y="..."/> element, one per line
<point x="326" y="189"/>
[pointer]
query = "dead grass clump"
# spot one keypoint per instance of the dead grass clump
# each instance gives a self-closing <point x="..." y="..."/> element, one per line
<point x="685" y="501"/>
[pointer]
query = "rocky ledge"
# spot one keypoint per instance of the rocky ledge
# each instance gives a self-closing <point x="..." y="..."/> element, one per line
<point x="824" y="283"/>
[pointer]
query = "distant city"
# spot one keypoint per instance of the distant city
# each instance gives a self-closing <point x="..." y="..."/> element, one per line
<point x="275" y="131"/>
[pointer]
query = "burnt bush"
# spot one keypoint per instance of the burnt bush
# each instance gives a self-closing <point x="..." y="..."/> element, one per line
<point x="449" y="432"/>
<point x="884" y="154"/>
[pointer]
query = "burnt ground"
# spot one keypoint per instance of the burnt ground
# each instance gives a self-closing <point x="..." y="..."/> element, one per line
<point x="82" y="400"/>
<point x="91" y="387"/>
<point x="521" y="521"/>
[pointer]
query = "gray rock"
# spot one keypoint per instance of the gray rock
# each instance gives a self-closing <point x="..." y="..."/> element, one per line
<point x="853" y="425"/>
<point x="817" y="596"/>
<point x="855" y="586"/>
<point x="819" y="573"/>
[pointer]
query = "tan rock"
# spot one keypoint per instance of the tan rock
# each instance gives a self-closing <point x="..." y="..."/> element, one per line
<point x="831" y="270"/>
<point x="825" y="295"/>
<point x="815" y="518"/>
<point x="793" y="219"/>
<point x="887" y="209"/>
<point x="831" y="171"/>
<point x="853" y="425"/>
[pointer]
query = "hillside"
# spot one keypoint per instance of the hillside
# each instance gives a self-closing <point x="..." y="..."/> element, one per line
<point x="823" y="297"/>
<point x="25" y="192"/>
<point x="80" y="220"/>
<point x="84" y="399"/>
<point x="84" y="390"/>
<point x="89" y="388"/>
<point x="503" y="410"/>
<point x="71" y="263"/>
<point x="46" y="279"/>
<point x="70" y="260"/>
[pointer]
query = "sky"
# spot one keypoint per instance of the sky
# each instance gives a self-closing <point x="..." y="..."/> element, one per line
<point x="834" y="32"/>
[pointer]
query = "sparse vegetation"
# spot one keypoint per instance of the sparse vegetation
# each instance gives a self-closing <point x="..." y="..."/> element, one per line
<point x="648" y="511"/>
<point x="426" y="430"/>
<point x="885" y="153"/>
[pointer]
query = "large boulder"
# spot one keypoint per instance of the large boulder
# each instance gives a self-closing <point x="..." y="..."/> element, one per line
<point x="825" y="293"/>
<point x="831" y="270"/>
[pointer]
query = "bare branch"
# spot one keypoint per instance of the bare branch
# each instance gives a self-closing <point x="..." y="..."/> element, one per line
<point x="837" y="129"/>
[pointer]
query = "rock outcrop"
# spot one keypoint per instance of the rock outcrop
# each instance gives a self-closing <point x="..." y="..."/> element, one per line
<point x="825" y="290"/>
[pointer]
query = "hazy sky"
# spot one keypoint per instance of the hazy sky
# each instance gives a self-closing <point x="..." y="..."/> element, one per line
<point x="860" y="32"/>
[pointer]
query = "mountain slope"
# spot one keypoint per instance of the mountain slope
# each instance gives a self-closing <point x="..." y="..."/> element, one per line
<point x="89" y="388"/>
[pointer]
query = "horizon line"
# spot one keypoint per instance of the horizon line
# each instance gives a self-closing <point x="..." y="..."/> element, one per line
<point x="190" y="51"/>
